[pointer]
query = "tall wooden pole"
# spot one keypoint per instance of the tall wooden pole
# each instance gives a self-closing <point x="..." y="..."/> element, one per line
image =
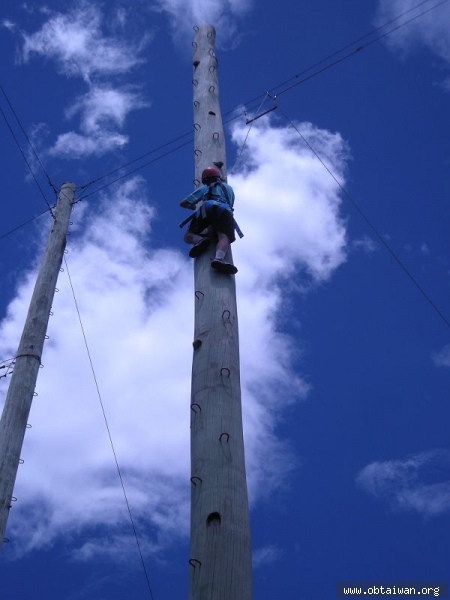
<point x="23" y="380"/>
<point x="220" y="563"/>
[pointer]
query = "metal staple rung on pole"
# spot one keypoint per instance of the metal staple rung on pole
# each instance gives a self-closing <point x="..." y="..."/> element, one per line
<point x="193" y="562"/>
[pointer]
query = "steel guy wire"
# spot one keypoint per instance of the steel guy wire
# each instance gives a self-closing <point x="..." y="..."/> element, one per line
<point x="273" y="89"/>
<point x="85" y="186"/>
<point x="387" y="246"/>
<point x="28" y="139"/>
<point x="359" y="48"/>
<point x="26" y="161"/>
<point x="83" y="197"/>
<point x="3" y="235"/>
<point x="241" y="150"/>
<point x="119" y="472"/>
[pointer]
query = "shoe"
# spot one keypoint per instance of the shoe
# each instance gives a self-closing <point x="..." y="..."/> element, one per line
<point x="223" y="267"/>
<point x="199" y="247"/>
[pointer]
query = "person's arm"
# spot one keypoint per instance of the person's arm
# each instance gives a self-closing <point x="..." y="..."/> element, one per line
<point x="191" y="200"/>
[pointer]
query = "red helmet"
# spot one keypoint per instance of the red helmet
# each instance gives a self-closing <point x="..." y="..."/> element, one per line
<point x="210" y="173"/>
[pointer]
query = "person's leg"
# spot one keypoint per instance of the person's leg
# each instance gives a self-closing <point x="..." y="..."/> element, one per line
<point x="223" y="245"/>
<point x="192" y="238"/>
<point x="196" y="235"/>
<point x="218" y="262"/>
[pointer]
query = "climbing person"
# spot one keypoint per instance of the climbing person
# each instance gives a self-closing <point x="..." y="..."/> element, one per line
<point x="215" y="215"/>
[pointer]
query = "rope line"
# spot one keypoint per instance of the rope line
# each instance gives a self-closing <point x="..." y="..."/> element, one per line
<point x="109" y="434"/>
<point x="135" y="160"/>
<point x="273" y="93"/>
<point x="359" y="48"/>
<point x="28" y="139"/>
<point x="387" y="246"/>
<point x="241" y="150"/>
<point x="135" y="170"/>
<point x="3" y="235"/>
<point x="26" y="161"/>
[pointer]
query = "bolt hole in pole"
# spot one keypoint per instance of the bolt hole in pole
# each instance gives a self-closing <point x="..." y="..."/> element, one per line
<point x="213" y="520"/>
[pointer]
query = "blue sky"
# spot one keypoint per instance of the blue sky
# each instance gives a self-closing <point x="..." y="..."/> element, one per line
<point x="344" y="362"/>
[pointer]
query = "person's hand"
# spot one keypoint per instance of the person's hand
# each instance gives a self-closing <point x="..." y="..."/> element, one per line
<point x="185" y="204"/>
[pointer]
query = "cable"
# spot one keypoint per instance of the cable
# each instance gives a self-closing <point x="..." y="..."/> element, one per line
<point x="28" y="139"/>
<point x="109" y="433"/>
<point x="356" y="50"/>
<point x="135" y="170"/>
<point x="136" y="160"/>
<point x="369" y="223"/>
<point x="272" y="90"/>
<point x="3" y="235"/>
<point x="241" y="150"/>
<point x="26" y="161"/>
<point x="8" y="365"/>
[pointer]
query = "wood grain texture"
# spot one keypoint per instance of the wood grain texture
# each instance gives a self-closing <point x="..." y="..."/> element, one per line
<point x="220" y="563"/>
<point x="23" y="380"/>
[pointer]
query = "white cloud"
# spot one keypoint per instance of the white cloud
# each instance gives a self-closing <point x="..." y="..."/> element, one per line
<point x="101" y="110"/>
<point x="72" y="145"/>
<point x="7" y="24"/>
<point x="103" y="106"/>
<point x="429" y="30"/>
<point x="136" y="303"/>
<point x="442" y="358"/>
<point x="366" y="244"/>
<point x="76" y="42"/>
<point x="265" y="556"/>
<point x="405" y="484"/>
<point x="223" y="14"/>
<point x="283" y="186"/>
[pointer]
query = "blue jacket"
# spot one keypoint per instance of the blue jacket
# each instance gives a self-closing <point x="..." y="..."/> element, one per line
<point x="213" y="193"/>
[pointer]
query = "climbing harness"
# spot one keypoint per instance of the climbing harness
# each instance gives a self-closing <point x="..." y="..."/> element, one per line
<point x="217" y="199"/>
